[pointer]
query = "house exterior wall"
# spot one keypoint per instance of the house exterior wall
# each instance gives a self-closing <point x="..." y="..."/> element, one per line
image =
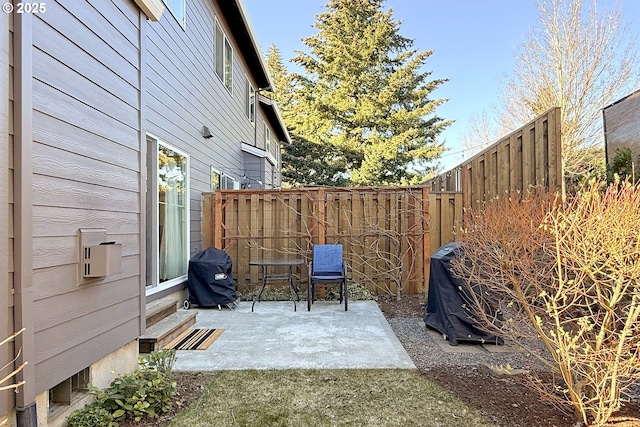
<point x="102" y="372"/>
<point x="622" y="125"/>
<point x="102" y="82"/>
<point x="263" y="168"/>
<point x="86" y="174"/>
<point x="184" y="94"/>
<point x="254" y="171"/>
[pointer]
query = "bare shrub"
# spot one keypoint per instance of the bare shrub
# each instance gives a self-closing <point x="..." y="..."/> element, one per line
<point x="382" y="245"/>
<point x="566" y="276"/>
<point x="7" y="382"/>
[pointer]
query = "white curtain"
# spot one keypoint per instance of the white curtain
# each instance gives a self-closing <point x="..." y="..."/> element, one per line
<point x="172" y="248"/>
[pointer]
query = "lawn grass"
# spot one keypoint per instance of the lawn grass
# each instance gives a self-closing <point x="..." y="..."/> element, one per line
<point x="380" y="397"/>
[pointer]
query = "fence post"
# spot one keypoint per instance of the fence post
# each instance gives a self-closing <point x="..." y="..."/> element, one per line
<point x="426" y="246"/>
<point x="217" y="219"/>
<point x="207" y="230"/>
<point x="321" y="217"/>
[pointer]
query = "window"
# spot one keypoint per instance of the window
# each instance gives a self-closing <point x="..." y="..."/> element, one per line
<point x="250" y="102"/>
<point x="221" y="181"/>
<point x="224" y="57"/>
<point x="172" y="213"/>
<point x="69" y="390"/>
<point x="267" y="139"/>
<point x="178" y="9"/>
<point x="167" y="215"/>
<point x="215" y="179"/>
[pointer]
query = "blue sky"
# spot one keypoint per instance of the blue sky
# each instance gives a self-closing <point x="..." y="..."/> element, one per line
<point x="473" y="42"/>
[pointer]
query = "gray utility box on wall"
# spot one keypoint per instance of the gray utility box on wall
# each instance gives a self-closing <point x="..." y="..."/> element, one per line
<point x="99" y="257"/>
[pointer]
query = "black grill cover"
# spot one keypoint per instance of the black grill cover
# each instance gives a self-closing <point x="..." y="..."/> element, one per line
<point x="210" y="282"/>
<point x="446" y="310"/>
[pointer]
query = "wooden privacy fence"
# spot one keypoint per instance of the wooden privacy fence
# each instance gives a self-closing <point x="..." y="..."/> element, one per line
<point x="445" y="218"/>
<point x="532" y="155"/>
<point x="388" y="233"/>
<point x="384" y="231"/>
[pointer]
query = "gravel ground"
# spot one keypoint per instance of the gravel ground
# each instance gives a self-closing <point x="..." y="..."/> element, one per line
<point x="412" y="333"/>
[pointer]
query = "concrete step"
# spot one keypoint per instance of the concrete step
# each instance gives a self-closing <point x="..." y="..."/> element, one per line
<point x="165" y="330"/>
<point x="159" y="309"/>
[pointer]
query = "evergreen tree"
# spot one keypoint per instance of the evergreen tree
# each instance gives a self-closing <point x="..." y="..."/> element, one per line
<point x="363" y="99"/>
<point x="281" y="92"/>
<point x="303" y="162"/>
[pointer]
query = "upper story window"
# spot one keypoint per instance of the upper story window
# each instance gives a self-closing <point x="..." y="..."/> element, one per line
<point x="267" y="139"/>
<point x="178" y="9"/>
<point x="250" y="102"/>
<point x="224" y="57"/>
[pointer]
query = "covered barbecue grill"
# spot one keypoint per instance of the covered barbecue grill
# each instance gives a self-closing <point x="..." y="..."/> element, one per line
<point x="446" y="301"/>
<point x="210" y="283"/>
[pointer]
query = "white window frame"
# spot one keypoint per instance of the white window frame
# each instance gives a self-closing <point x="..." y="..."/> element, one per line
<point x="250" y="102"/>
<point x="230" y="183"/>
<point x="215" y="171"/>
<point x="225" y="181"/>
<point x="223" y="57"/>
<point x="153" y="229"/>
<point x="267" y="138"/>
<point x="178" y="9"/>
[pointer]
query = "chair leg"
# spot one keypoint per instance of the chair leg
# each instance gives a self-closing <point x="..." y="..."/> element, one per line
<point x="346" y="304"/>
<point x="309" y="295"/>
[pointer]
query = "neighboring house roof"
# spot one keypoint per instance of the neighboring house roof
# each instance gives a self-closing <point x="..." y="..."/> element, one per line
<point x="623" y="99"/>
<point x="273" y="116"/>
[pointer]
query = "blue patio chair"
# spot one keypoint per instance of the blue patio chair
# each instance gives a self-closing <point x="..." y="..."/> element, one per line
<point x="327" y="268"/>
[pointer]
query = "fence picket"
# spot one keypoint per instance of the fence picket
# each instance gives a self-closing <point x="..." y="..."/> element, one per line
<point x="279" y="223"/>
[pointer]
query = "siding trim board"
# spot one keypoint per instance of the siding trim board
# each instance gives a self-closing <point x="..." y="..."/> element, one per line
<point x="142" y="165"/>
<point x="151" y="8"/>
<point x="6" y="208"/>
<point x="258" y="152"/>
<point x="23" y="245"/>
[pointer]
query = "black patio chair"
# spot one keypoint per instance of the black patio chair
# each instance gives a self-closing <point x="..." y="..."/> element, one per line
<point x="327" y="268"/>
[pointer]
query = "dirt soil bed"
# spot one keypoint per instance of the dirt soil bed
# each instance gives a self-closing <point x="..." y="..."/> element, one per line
<point x="506" y="402"/>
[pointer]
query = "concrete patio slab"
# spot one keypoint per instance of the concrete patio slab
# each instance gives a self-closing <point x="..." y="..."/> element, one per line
<point x="275" y="336"/>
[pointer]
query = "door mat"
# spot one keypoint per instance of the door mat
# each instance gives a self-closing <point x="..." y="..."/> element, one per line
<point x="195" y="339"/>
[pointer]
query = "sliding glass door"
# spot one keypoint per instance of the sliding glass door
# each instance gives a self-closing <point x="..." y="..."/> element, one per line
<point x="167" y="215"/>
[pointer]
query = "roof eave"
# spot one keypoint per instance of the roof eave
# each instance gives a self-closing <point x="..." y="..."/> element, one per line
<point x="274" y="117"/>
<point x="243" y="34"/>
